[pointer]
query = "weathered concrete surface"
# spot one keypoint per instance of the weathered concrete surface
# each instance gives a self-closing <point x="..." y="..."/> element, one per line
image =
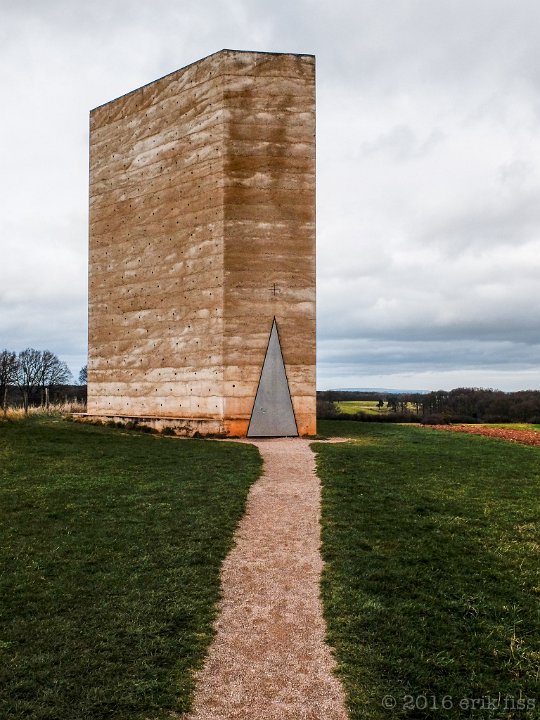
<point x="183" y="427"/>
<point x="269" y="219"/>
<point x="202" y="198"/>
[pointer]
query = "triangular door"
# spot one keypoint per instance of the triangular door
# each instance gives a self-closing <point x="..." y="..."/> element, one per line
<point x="273" y="414"/>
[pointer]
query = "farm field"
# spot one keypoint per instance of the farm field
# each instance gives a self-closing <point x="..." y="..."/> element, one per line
<point x="351" y="407"/>
<point x="111" y="547"/>
<point x="367" y="406"/>
<point x="432" y="583"/>
<point x="510" y="433"/>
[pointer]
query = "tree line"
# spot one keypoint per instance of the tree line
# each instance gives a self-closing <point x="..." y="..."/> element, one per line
<point x="487" y="405"/>
<point x="458" y="405"/>
<point x="31" y="377"/>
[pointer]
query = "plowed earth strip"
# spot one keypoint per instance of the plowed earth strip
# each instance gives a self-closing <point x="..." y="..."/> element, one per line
<point x="526" y="437"/>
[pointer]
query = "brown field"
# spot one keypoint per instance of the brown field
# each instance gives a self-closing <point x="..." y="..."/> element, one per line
<point x="526" y="437"/>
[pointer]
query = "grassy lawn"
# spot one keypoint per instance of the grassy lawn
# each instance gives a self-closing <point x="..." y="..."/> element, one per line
<point x="111" y="546"/>
<point x="432" y="582"/>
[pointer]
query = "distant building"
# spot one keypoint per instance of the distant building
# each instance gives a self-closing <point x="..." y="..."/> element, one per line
<point x="202" y="249"/>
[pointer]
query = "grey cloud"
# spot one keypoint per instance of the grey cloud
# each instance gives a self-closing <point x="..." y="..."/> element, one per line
<point x="402" y="144"/>
<point x="513" y="222"/>
<point x="369" y="356"/>
<point x="428" y="169"/>
<point x="516" y="172"/>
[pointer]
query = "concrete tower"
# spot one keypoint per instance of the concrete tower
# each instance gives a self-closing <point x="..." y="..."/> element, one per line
<point x="202" y="249"/>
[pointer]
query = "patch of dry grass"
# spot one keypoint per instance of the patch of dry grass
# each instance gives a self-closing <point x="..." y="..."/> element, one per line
<point x="17" y="413"/>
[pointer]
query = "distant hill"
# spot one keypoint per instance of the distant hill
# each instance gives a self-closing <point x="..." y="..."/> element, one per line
<point x="383" y="391"/>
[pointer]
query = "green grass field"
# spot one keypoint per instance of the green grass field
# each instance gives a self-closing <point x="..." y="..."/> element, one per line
<point x="112" y="542"/>
<point x="350" y="407"/>
<point x="111" y="547"/>
<point x="432" y="581"/>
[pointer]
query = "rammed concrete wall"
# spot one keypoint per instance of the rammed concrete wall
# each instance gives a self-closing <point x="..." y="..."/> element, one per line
<point x="269" y="216"/>
<point x="202" y="229"/>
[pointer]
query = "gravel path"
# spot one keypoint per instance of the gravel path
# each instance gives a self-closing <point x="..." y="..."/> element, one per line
<point x="269" y="660"/>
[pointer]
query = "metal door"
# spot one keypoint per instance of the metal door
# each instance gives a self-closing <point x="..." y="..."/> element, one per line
<point x="273" y="414"/>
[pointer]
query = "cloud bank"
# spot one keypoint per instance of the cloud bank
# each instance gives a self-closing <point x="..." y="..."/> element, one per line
<point x="428" y="171"/>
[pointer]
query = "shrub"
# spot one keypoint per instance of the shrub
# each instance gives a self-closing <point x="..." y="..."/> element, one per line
<point x="327" y="410"/>
<point x="435" y="420"/>
<point x="391" y="417"/>
<point x="494" y="418"/>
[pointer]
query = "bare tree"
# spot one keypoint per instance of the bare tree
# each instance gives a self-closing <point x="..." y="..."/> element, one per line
<point x="29" y="374"/>
<point x="83" y="375"/>
<point x="8" y="375"/>
<point x="40" y="371"/>
<point x="54" y="372"/>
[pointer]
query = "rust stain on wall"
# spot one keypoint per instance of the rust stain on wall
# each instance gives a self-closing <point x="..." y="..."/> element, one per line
<point x="202" y="230"/>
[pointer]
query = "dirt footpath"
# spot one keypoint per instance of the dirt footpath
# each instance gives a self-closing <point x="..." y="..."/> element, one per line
<point x="269" y="660"/>
<point x="527" y="437"/>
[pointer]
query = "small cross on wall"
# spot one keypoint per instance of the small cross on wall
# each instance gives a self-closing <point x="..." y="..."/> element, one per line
<point x="274" y="289"/>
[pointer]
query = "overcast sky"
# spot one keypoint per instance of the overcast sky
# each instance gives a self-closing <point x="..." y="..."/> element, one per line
<point x="428" y="132"/>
